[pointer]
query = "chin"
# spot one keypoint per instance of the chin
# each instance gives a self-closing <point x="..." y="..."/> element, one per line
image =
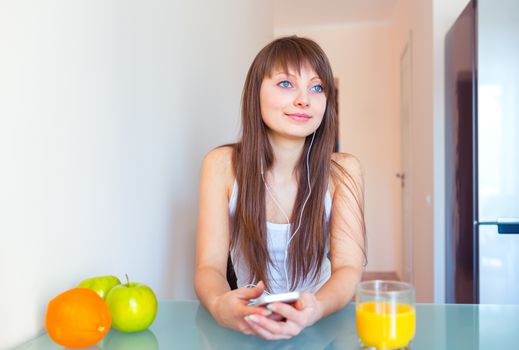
<point x="299" y="135"/>
<point x="293" y="131"/>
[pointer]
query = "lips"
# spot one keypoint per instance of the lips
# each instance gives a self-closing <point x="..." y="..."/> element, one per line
<point x="302" y="117"/>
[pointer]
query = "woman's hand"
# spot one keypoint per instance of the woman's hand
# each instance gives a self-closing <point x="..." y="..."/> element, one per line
<point x="304" y="313"/>
<point x="230" y="309"/>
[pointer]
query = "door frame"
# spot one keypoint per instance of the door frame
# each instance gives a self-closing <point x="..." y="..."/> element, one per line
<point x="406" y="91"/>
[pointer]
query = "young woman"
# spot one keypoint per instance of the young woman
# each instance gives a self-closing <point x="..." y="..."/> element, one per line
<point x="280" y="203"/>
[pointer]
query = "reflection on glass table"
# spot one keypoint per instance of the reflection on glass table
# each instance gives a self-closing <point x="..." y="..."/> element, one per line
<point x="187" y="325"/>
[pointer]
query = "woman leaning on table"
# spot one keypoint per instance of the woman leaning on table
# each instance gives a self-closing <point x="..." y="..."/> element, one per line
<point x="280" y="202"/>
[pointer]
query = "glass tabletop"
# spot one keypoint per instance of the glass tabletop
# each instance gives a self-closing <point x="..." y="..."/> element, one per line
<point x="187" y="325"/>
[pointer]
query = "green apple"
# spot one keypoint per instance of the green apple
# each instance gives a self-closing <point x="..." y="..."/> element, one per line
<point x="101" y="285"/>
<point x="133" y="306"/>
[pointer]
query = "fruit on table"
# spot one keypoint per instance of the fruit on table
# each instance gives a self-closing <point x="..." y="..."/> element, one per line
<point x="133" y="306"/>
<point x="101" y="285"/>
<point x="77" y="318"/>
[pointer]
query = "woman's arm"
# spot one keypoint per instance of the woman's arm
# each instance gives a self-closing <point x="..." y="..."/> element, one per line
<point x="212" y="247"/>
<point x="347" y="241"/>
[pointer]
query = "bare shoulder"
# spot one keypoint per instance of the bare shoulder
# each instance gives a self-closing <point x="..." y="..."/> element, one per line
<point x="217" y="164"/>
<point x="349" y="163"/>
<point x="346" y="168"/>
<point x="347" y="160"/>
<point x="220" y="156"/>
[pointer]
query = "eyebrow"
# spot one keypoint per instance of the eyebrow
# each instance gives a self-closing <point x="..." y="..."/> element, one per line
<point x="293" y="75"/>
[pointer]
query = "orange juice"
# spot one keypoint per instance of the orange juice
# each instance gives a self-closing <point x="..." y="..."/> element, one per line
<point x="385" y="326"/>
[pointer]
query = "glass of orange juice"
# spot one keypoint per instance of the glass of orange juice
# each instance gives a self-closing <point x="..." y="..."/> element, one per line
<point x="385" y="313"/>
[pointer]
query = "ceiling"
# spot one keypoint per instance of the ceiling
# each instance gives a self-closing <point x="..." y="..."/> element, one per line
<point x="301" y="13"/>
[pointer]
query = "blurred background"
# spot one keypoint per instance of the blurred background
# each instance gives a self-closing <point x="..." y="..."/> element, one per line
<point x="108" y="107"/>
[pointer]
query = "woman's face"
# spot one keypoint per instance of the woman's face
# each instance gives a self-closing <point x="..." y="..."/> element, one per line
<point x="292" y="105"/>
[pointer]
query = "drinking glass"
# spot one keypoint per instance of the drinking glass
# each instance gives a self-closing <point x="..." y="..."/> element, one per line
<point x="385" y="313"/>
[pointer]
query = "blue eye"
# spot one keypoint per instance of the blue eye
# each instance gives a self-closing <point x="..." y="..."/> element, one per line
<point x="285" y="84"/>
<point x="317" y="88"/>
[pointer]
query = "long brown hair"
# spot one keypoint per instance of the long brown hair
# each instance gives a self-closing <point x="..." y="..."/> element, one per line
<point x="308" y="246"/>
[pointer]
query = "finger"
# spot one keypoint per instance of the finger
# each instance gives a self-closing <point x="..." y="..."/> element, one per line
<point x="245" y="328"/>
<point x="299" y="305"/>
<point x="259" y="330"/>
<point x="285" y="310"/>
<point x="269" y="329"/>
<point x="260" y="310"/>
<point x="248" y="331"/>
<point x="250" y="293"/>
<point x="303" y="301"/>
<point x="275" y="317"/>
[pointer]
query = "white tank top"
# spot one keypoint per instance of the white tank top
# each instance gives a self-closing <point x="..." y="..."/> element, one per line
<point x="277" y="237"/>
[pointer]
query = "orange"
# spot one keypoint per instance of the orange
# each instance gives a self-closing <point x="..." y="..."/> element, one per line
<point x="77" y="318"/>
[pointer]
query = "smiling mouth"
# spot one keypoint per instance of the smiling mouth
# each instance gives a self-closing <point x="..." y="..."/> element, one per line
<point x="299" y="116"/>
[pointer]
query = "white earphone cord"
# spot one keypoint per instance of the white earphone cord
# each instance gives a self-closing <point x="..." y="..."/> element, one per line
<point x="284" y="213"/>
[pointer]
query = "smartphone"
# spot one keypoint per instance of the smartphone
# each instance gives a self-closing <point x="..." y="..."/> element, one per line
<point x="289" y="298"/>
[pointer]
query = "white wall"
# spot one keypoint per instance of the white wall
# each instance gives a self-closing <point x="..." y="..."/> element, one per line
<point x="360" y="55"/>
<point x="416" y="17"/>
<point x="422" y="164"/>
<point x="445" y="14"/>
<point x="106" y="110"/>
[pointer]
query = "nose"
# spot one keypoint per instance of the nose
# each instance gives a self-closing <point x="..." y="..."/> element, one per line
<point x="302" y="100"/>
